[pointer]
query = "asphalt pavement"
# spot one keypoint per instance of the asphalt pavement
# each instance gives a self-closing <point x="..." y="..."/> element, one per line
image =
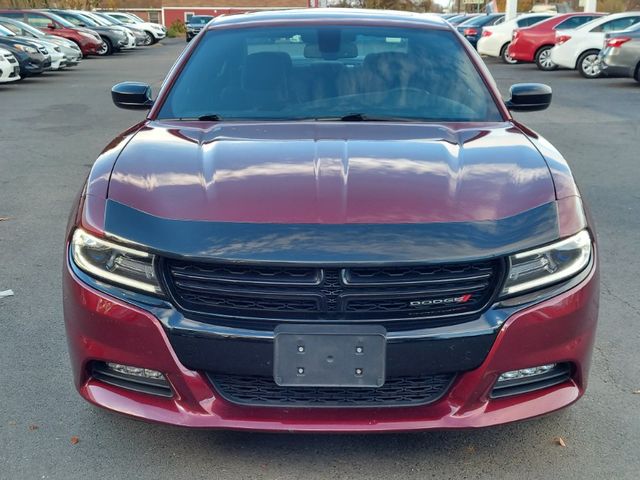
<point x="51" y="130"/>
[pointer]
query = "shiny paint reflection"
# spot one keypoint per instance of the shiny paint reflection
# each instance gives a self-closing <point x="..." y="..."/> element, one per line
<point x="310" y="172"/>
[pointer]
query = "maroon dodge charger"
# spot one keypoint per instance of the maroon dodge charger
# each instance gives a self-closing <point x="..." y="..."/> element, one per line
<point x="330" y="221"/>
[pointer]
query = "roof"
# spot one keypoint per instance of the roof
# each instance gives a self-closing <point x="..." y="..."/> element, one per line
<point x="331" y="14"/>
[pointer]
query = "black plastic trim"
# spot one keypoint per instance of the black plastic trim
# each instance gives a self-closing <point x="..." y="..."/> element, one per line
<point x="560" y="374"/>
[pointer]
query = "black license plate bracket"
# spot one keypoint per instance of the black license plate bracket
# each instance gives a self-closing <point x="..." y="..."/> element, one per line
<point x="329" y="356"/>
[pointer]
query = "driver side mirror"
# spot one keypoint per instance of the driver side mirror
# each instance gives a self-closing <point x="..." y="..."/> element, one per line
<point x="132" y="96"/>
<point x="529" y="97"/>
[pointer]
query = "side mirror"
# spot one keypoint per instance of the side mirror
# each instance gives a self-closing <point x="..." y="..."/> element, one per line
<point x="82" y="24"/>
<point x="529" y="97"/>
<point x="132" y="96"/>
<point x="51" y="26"/>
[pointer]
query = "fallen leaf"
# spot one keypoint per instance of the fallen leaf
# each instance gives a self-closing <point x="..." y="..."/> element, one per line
<point x="471" y="449"/>
<point x="636" y="392"/>
<point x="6" y="293"/>
<point x="12" y="423"/>
<point x="559" y="441"/>
<point x="33" y="427"/>
<point x="74" y="440"/>
<point x="2" y="219"/>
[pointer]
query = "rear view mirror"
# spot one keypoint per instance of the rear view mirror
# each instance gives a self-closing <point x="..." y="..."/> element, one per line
<point x="132" y="96"/>
<point x="529" y="97"/>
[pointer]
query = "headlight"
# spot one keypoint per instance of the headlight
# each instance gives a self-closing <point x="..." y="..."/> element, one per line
<point x="114" y="263"/>
<point x="25" y="48"/>
<point x="544" y="266"/>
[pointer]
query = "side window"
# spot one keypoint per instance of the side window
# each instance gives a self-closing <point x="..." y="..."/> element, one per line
<point x="530" y="21"/>
<point x="617" y="24"/>
<point x="573" y="22"/>
<point x="38" y="21"/>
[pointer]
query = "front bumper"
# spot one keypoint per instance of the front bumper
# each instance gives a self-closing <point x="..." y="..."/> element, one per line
<point x="104" y="328"/>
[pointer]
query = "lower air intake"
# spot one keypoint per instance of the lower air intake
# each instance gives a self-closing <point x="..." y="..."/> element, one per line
<point x="397" y="391"/>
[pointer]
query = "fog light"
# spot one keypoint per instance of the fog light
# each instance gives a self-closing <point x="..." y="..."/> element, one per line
<point x="138" y="379"/>
<point x="137" y="371"/>
<point x="526" y="372"/>
<point x="530" y="379"/>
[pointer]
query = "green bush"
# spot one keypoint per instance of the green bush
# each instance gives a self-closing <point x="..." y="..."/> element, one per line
<point x="176" y="29"/>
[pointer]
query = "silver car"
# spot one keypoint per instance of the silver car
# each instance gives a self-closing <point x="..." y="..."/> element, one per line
<point x="621" y="53"/>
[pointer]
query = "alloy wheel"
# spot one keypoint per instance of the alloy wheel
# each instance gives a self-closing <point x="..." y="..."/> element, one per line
<point x="544" y="61"/>
<point x="590" y="66"/>
<point x="148" y="38"/>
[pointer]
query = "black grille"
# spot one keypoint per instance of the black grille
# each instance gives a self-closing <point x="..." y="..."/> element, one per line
<point x="273" y="294"/>
<point x="397" y="391"/>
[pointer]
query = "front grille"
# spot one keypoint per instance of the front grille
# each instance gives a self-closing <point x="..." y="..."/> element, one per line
<point x="397" y="391"/>
<point x="266" y="295"/>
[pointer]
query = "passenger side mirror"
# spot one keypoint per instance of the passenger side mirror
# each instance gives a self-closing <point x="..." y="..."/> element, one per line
<point x="529" y="97"/>
<point x="52" y="26"/>
<point x="132" y="96"/>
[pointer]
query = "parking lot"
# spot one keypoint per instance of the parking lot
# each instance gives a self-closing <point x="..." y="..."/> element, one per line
<point x="54" y="126"/>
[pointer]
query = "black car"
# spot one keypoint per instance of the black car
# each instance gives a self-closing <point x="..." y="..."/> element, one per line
<point x="31" y="60"/>
<point x="195" y="24"/>
<point x="472" y="28"/>
<point x="112" y="38"/>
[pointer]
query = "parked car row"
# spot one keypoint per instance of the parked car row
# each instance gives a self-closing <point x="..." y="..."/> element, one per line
<point x="589" y="42"/>
<point x="33" y="41"/>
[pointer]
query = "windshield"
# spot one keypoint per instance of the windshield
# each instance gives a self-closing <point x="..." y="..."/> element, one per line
<point x="111" y="20"/>
<point x="6" y="32"/>
<point x="197" y="20"/>
<point x="477" y="21"/>
<point x="19" y="27"/>
<point x="96" y="19"/>
<point x="329" y="72"/>
<point x="60" y="20"/>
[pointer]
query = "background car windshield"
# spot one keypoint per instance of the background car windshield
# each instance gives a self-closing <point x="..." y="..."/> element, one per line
<point x="199" y="20"/>
<point x="327" y="72"/>
<point x="60" y="20"/>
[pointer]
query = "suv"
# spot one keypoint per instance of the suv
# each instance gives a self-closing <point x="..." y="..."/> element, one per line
<point x="330" y="221"/>
<point x="195" y="24"/>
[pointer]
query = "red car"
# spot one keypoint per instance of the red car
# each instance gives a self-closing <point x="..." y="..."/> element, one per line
<point x="87" y="40"/>
<point x="330" y="221"/>
<point x="534" y="44"/>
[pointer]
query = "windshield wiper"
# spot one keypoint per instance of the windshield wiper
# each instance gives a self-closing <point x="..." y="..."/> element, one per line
<point x="363" y="117"/>
<point x="209" y="118"/>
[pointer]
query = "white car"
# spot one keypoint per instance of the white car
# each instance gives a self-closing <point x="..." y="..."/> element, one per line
<point x="154" y="31"/>
<point x="495" y="39"/>
<point x="578" y="49"/>
<point x="9" y="67"/>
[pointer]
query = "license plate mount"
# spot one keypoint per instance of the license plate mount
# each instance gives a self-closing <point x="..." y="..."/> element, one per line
<point x="329" y="356"/>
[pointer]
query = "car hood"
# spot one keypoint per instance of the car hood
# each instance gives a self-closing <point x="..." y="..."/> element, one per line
<point x="333" y="173"/>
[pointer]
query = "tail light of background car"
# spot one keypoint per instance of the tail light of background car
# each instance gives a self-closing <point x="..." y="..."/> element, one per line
<point x="560" y="39"/>
<point x="617" y="42"/>
<point x="486" y="33"/>
<point x="470" y="32"/>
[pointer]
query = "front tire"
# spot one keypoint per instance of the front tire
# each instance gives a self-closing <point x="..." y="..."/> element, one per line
<point x="149" y="39"/>
<point x="543" y="59"/>
<point x="504" y="55"/>
<point x="106" y="49"/>
<point x="588" y="64"/>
